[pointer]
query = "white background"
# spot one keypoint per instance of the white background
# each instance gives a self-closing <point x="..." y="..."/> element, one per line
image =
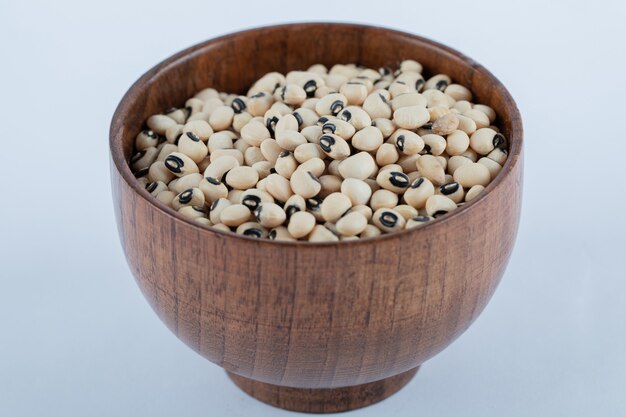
<point x="78" y="339"/>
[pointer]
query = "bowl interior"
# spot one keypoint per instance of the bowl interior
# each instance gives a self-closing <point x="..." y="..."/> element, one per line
<point x="233" y="62"/>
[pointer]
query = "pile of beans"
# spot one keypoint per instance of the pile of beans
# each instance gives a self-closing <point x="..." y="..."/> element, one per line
<point x="322" y="154"/>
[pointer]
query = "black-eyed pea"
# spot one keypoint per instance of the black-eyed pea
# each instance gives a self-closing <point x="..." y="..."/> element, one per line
<point x="166" y="197"/>
<point x="377" y="105"/>
<point x="239" y="104"/>
<point x="398" y="87"/>
<point x="159" y="123"/>
<point x="437" y="112"/>
<point x="267" y="83"/>
<point x="234" y="215"/>
<point x="439" y="82"/>
<point x="143" y="159"/>
<point x="253" y="155"/>
<point x="287" y="122"/>
<point x="240" y="120"/>
<point x="180" y="164"/>
<point x="159" y="172"/>
<point x="386" y="154"/>
<point x="355" y="92"/>
<point x="192" y="212"/>
<point x="154" y="188"/>
<point x="435" y="98"/>
<point x="220" y="166"/>
<point x="312" y="133"/>
<point x="146" y="139"/>
<point x="290" y="139"/>
<point x="189" y="197"/>
<point x="368" y="139"/>
<point x="411" y="117"/>
<point x="388" y="220"/>
<point x="294" y="204"/>
<point x="445" y="125"/>
<point x="386" y="126"/>
<point x="235" y="153"/>
<point x="213" y="189"/>
<point x="200" y="128"/>
<point x="305" y="117"/>
<point x="322" y="234"/>
<point x="489" y="112"/>
<point x="392" y="180"/>
<point x="334" y="81"/>
<point x="194" y="104"/>
<point x="411" y="78"/>
<point x="364" y="209"/>
<point x="278" y="187"/>
<point x="383" y="199"/>
<point x="443" y="161"/>
<point x="413" y="175"/>
<point x="220" y="140"/>
<point x="304" y="183"/>
<point x="338" y="127"/>
<point x="203" y="221"/>
<point x="438" y="205"/>
<point x="188" y="181"/>
<point x="406" y="211"/>
<point x="356" y="116"/>
<point x="259" y="103"/>
<point x="472" y="174"/>
<point x="242" y="177"/>
<point x="458" y="92"/>
<point x="461" y="106"/>
<point x="418" y="193"/>
<point x="172" y="133"/>
<point x="390" y="167"/>
<point x="408" y="163"/>
<point x="331" y="104"/>
<point x="308" y="151"/>
<point x="429" y="167"/>
<point x="493" y="167"/>
<point x="466" y="124"/>
<point x="457" y="142"/>
<point x="324" y="91"/>
<point x="473" y="192"/>
<point x="334" y="206"/>
<point x="334" y="146"/>
<point x="315" y="165"/>
<point x="319" y="69"/>
<point x="455" y="162"/>
<point x="269" y="215"/>
<point x="191" y="145"/>
<point x="330" y="184"/>
<point x="478" y="117"/>
<point x="434" y="144"/>
<point x="453" y="191"/>
<point x="286" y="164"/>
<point x="360" y="166"/>
<point x="199" y="116"/>
<point x="499" y="155"/>
<point x="332" y="167"/>
<point x="221" y="118"/>
<point x="254" y="133"/>
<point x="301" y="223"/>
<point x="310" y="103"/>
<point x="252" y="197"/>
<point x="210" y="104"/>
<point x="358" y="191"/>
<point x="409" y="65"/>
<point x="206" y="94"/>
<point x="270" y="150"/>
<point x="252" y="229"/>
<point x="264" y="168"/>
<point x="407" y="142"/>
<point x="417" y="221"/>
<point x="280" y="233"/>
<point x="370" y="231"/>
<point x="221" y="227"/>
<point x="470" y="154"/>
<point x="485" y="140"/>
<point x="352" y="224"/>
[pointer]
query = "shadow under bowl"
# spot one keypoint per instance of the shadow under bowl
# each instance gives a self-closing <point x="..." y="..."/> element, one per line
<point x="315" y="327"/>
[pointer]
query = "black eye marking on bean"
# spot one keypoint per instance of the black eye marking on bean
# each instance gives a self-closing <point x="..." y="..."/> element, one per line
<point x="276" y="87"/>
<point x="419" y="84"/>
<point x="439" y="213"/>
<point x="313" y="204"/>
<point x="252" y="232"/>
<point x="151" y="186"/>
<point x="417" y="183"/>
<point x="213" y="181"/>
<point x="401" y="82"/>
<point x="448" y="189"/>
<point x="185" y="196"/>
<point x="198" y="209"/>
<point x="400" y="142"/>
<point x="399" y="179"/>
<point x="238" y="105"/>
<point x="258" y="95"/>
<point x="178" y="139"/>
<point x="272" y="235"/>
<point x="193" y="136"/>
<point x="322" y="120"/>
<point x="441" y="85"/>
<point x="313" y="177"/>
<point x="383" y="98"/>
<point x="270" y="124"/>
<point x="214" y="205"/>
<point x="336" y="107"/>
<point x="329" y="128"/>
<point x="384" y="70"/>
<point x="170" y="110"/>
<point x="427" y="126"/>
<point x="298" y="118"/>
<point x="142" y="172"/>
<point x="498" y="140"/>
<point x="326" y="142"/>
<point x="356" y="82"/>
<point x="251" y="201"/>
<point x="291" y="210"/>
<point x="284" y="154"/>
<point x="388" y="219"/>
<point x="136" y="157"/>
<point x="421" y="219"/>
<point x="189" y="110"/>
<point x="272" y="170"/>
<point x="282" y="93"/>
<point x="346" y="115"/>
<point x="174" y="164"/>
<point x="310" y="87"/>
<point x="426" y="150"/>
<point x="257" y="211"/>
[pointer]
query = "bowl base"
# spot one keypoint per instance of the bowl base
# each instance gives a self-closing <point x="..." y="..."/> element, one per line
<point x="323" y="400"/>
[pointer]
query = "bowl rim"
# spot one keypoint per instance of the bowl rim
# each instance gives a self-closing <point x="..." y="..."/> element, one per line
<point x="515" y="137"/>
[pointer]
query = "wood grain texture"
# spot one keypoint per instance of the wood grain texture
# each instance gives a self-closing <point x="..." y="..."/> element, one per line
<point x="313" y="315"/>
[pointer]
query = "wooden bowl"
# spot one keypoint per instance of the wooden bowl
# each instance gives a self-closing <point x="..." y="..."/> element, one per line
<point x="315" y="327"/>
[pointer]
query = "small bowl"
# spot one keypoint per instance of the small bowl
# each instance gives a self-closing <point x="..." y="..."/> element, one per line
<point x="314" y="327"/>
